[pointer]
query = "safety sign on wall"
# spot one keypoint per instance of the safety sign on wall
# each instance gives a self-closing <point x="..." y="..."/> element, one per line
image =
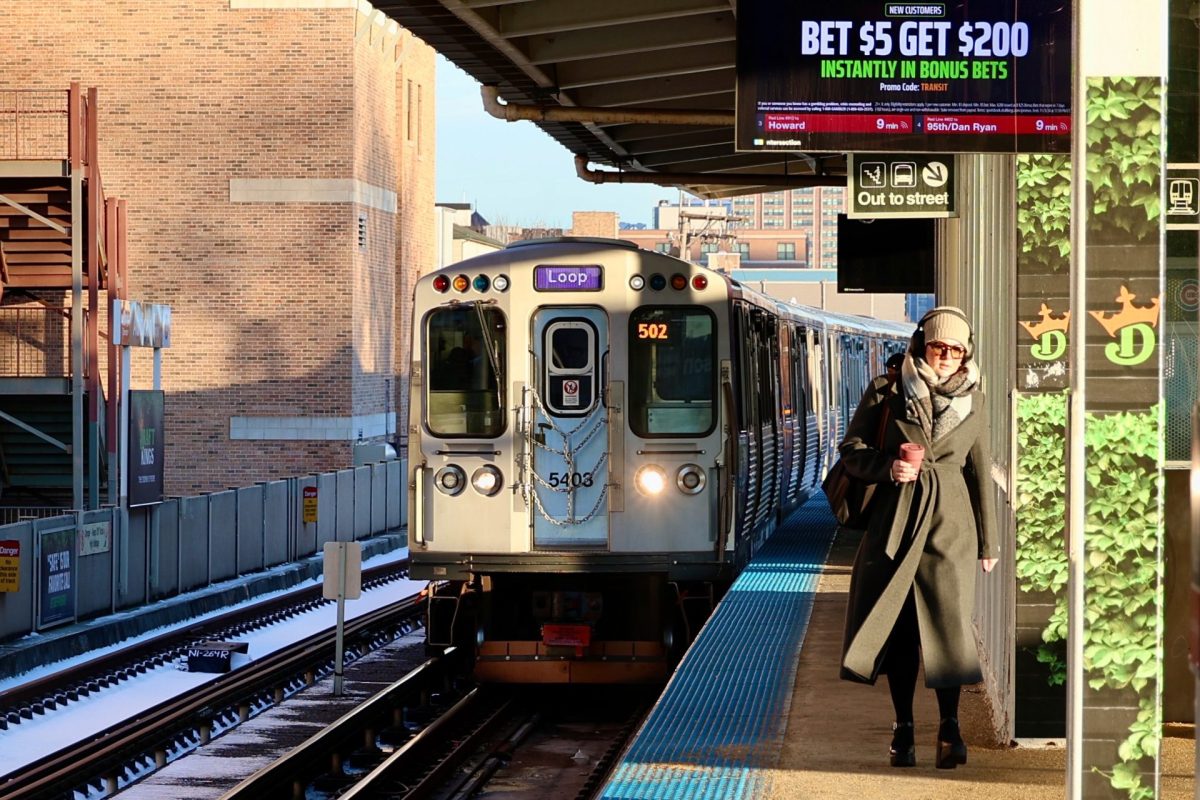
<point x="570" y="393"/>
<point x="882" y="185"/>
<point x="10" y="565"/>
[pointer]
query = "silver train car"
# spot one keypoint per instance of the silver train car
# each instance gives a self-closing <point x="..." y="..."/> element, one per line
<point x="600" y="438"/>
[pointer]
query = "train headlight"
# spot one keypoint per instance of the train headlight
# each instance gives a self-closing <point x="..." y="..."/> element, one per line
<point x="500" y="283"/>
<point x="487" y="480"/>
<point x="461" y="283"/>
<point x="637" y="282"/>
<point x="691" y="479"/>
<point x="651" y="480"/>
<point x="450" y="480"/>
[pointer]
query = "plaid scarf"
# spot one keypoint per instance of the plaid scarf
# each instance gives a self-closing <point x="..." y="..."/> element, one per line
<point x="937" y="405"/>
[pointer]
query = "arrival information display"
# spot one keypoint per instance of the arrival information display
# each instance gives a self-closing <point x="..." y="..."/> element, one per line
<point x="984" y="76"/>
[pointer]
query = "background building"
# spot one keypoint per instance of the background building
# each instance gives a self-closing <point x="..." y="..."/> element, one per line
<point x="277" y="158"/>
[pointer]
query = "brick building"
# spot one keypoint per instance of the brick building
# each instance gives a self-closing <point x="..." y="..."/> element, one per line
<point x="278" y="161"/>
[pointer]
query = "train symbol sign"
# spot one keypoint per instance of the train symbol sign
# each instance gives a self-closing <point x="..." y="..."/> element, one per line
<point x="1182" y="196"/>
<point x="570" y="393"/>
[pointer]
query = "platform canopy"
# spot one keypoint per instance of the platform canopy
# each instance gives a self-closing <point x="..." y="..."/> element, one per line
<point x="620" y="56"/>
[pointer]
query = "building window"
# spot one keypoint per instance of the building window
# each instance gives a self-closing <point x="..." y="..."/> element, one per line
<point x="662" y="247"/>
<point x="772" y="223"/>
<point x="744" y="249"/>
<point x="708" y="247"/>
<point x="362" y="233"/>
<point x="785" y="251"/>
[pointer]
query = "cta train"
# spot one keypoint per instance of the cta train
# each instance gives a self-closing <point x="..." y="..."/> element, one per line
<point x="600" y="438"/>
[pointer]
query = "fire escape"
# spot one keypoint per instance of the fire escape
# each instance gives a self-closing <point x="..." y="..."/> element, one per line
<point x="62" y="242"/>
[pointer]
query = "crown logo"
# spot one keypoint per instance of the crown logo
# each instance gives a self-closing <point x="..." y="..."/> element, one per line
<point x="1129" y="313"/>
<point x="1048" y="323"/>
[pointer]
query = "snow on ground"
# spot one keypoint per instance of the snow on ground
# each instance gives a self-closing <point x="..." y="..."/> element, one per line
<point x="41" y="736"/>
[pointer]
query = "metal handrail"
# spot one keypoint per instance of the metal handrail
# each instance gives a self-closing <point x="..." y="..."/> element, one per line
<point x="34" y="124"/>
<point x="35" y="341"/>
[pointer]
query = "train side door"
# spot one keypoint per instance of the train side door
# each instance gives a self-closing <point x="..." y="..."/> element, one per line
<point x="570" y="428"/>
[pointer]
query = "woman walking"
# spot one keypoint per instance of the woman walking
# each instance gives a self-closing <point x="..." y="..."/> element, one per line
<point x="912" y="589"/>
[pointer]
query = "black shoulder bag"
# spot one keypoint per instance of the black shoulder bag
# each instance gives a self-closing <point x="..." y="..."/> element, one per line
<point x="850" y="498"/>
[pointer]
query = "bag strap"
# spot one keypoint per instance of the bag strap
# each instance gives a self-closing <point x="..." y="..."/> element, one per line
<point x="887" y="413"/>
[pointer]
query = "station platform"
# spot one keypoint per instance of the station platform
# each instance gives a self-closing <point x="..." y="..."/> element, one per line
<point x="756" y="708"/>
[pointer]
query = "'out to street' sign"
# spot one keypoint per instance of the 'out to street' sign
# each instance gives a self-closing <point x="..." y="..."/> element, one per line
<point x="884" y="185"/>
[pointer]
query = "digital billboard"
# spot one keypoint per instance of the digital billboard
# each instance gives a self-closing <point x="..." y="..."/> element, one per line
<point x="866" y="75"/>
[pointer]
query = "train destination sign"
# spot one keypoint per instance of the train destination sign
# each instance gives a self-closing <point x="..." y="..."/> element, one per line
<point x="865" y="75"/>
<point x="567" y="278"/>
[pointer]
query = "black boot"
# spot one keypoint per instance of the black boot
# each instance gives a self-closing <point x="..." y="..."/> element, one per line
<point x="951" y="749"/>
<point x="903" y="753"/>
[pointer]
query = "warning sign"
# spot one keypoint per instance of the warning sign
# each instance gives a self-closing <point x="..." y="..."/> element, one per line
<point x="10" y="565"/>
<point x="310" y="504"/>
<point x="885" y="185"/>
<point x="570" y="393"/>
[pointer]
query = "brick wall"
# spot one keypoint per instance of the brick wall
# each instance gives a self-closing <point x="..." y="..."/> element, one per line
<point x="248" y="138"/>
<point x="594" y="223"/>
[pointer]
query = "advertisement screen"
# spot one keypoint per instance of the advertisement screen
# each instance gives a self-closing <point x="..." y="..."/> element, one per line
<point x="865" y="75"/>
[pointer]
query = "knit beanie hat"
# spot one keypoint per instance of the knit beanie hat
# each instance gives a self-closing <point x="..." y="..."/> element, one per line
<point x="947" y="324"/>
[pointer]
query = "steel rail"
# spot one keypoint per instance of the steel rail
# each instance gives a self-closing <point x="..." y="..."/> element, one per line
<point x="99" y="672"/>
<point x="284" y="777"/>
<point x="156" y="728"/>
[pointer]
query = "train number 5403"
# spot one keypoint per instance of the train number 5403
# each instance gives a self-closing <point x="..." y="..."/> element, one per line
<point x="565" y="479"/>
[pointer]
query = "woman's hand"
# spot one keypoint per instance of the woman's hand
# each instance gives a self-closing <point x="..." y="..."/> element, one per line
<point x="988" y="564"/>
<point x="904" y="472"/>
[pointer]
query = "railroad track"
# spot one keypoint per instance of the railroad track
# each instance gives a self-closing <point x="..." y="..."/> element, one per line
<point x="130" y="749"/>
<point x="424" y="738"/>
<point x="71" y="684"/>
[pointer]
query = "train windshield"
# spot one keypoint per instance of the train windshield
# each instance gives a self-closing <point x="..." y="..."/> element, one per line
<point x="671" y="377"/>
<point x="465" y="361"/>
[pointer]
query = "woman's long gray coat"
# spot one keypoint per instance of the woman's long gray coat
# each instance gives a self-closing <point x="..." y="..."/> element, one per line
<point x="927" y="535"/>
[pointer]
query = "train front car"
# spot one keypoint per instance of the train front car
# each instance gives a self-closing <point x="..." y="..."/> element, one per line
<point x="567" y="449"/>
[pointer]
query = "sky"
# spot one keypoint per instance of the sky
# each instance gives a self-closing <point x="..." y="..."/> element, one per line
<point x="512" y="172"/>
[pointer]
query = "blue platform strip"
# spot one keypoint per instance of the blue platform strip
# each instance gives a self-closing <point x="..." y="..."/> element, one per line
<point x="720" y="723"/>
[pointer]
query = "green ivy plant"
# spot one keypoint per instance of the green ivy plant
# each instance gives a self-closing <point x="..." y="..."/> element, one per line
<point x="1124" y="165"/>
<point x="1122" y="577"/>
<point x="1124" y="158"/>
<point x="1044" y="210"/>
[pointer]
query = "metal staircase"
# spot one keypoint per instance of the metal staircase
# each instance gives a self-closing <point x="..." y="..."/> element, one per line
<point x="61" y="245"/>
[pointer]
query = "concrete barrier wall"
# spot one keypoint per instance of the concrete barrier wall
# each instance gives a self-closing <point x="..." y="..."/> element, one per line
<point x="185" y="543"/>
<point x="16" y="608"/>
<point x="193" y="543"/>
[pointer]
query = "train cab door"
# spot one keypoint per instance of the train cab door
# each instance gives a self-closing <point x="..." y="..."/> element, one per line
<point x="570" y="428"/>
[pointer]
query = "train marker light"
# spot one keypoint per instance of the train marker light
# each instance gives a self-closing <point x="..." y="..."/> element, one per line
<point x="678" y="282"/>
<point x="691" y="479"/>
<point x="486" y="480"/>
<point x="450" y="480"/>
<point x="637" y="282"/>
<point x="461" y="283"/>
<point x="699" y="282"/>
<point x="650" y="480"/>
<point x="500" y="283"/>
<point x="481" y="283"/>
<point x="658" y="282"/>
<point x="441" y="283"/>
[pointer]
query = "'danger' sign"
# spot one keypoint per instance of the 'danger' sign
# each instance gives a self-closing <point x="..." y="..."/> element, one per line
<point x="985" y="76"/>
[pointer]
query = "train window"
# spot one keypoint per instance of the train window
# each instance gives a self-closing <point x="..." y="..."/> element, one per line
<point x="671" y="377"/>
<point x="465" y="360"/>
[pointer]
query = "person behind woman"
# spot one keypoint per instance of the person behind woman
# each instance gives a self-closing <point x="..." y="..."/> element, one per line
<point x="912" y="588"/>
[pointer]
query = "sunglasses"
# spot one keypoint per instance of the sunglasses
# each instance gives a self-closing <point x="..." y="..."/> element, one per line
<point x="943" y="349"/>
